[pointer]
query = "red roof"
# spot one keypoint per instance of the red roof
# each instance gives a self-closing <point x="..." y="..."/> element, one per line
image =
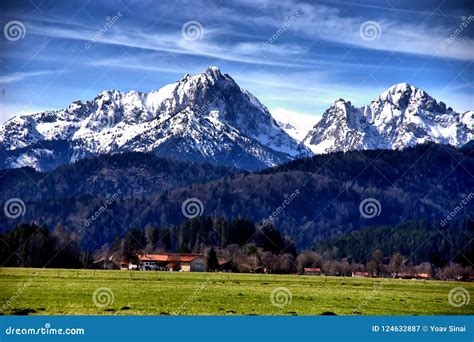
<point x="312" y="269"/>
<point x="181" y="257"/>
<point x="168" y="257"/>
<point x="423" y="275"/>
<point x="153" y="257"/>
<point x="222" y="261"/>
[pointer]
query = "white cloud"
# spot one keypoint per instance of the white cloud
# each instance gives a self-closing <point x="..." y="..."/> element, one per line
<point x="422" y="38"/>
<point x="302" y="121"/>
<point x="318" y="22"/>
<point x="249" y="53"/>
<point x="19" y="76"/>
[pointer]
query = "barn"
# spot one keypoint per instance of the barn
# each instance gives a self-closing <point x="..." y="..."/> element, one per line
<point x="172" y="262"/>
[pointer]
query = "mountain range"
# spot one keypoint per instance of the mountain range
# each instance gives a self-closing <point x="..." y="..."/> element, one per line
<point x="400" y="117"/>
<point x="208" y="117"/>
<point x="205" y="117"/>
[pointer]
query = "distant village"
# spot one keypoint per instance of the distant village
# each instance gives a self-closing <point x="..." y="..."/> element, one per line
<point x="143" y="251"/>
<point x="188" y="262"/>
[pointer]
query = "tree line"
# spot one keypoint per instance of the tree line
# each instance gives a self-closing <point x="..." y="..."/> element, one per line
<point x="255" y="248"/>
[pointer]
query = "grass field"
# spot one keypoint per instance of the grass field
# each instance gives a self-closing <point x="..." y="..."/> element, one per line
<point x="71" y="292"/>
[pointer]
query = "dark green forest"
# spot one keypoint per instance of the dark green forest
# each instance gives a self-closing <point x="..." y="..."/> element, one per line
<point x="388" y="250"/>
<point x="310" y="202"/>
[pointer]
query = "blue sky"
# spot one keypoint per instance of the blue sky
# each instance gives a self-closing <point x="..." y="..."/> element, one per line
<point x="297" y="57"/>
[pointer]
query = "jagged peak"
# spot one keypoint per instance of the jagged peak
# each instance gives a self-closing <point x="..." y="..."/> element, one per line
<point x="341" y="101"/>
<point x="185" y="77"/>
<point x="343" y="105"/>
<point x="212" y="70"/>
<point x="215" y="74"/>
<point x="109" y="92"/>
<point x="212" y="74"/>
<point x="403" y="88"/>
<point x="400" y="94"/>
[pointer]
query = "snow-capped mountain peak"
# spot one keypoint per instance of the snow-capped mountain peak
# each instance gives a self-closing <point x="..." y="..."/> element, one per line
<point x="341" y="125"/>
<point x="401" y="116"/>
<point x="200" y="117"/>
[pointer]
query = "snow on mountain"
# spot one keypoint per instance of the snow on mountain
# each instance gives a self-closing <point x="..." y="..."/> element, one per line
<point x="289" y="129"/>
<point x="208" y="117"/>
<point x="205" y="117"/>
<point x="402" y="116"/>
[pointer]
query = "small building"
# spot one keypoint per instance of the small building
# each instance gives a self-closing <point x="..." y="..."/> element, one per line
<point x="225" y="265"/>
<point x="425" y="276"/>
<point x="311" y="271"/>
<point x="153" y="262"/>
<point x="172" y="262"/>
<point x="407" y="275"/>
<point x="105" y="264"/>
<point x="360" y="274"/>
<point x="186" y="263"/>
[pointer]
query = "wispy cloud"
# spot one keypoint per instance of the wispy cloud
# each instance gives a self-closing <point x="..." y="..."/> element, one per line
<point x="244" y="52"/>
<point x="317" y="57"/>
<point x="323" y="23"/>
<point x="19" y="76"/>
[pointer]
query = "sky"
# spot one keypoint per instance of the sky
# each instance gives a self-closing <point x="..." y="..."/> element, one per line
<point x="297" y="57"/>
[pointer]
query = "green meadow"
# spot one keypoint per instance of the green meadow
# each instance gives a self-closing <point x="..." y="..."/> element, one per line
<point x="98" y="292"/>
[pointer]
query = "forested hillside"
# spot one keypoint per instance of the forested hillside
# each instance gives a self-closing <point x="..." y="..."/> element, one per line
<point x="307" y="200"/>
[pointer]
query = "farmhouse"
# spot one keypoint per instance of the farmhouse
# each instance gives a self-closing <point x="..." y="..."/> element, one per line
<point x="360" y="274"/>
<point x="172" y="262"/>
<point x="423" y="276"/>
<point x="409" y="275"/>
<point x="312" y="271"/>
